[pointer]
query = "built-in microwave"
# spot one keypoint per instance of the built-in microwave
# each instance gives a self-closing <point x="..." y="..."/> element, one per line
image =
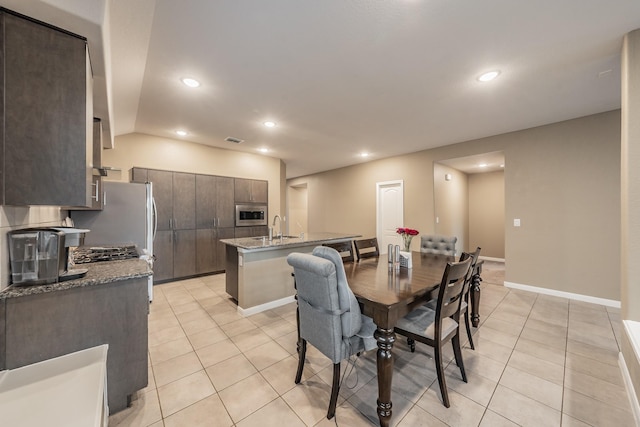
<point x="247" y="215"/>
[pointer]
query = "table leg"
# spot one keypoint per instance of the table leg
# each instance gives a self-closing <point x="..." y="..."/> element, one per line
<point x="475" y="298"/>
<point x="385" y="338"/>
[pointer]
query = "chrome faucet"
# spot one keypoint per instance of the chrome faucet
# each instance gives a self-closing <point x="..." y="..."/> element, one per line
<point x="279" y="235"/>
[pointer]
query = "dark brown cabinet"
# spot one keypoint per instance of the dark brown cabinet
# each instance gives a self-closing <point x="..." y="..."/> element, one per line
<point x="42" y="326"/>
<point x="46" y="115"/>
<point x="194" y="212"/>
<point x="251" y="191"/>
<point x="215" y="217"/>
<point x="174" y="246"/>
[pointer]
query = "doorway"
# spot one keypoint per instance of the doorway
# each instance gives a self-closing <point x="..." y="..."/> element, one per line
<point x="469" y="200"/>
<point x="390" y="212"/>
<point x="297" y="198"/>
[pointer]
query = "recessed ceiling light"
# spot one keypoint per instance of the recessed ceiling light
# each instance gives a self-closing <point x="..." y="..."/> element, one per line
<point x="270" y="124"/>
<point x="190" y="82"/>
<point x="482" y="165"/>
<point x="181" y="132"/>
<point x="487" y="77"/>
<point x="263" y="150"/>
<point x="502" y="165"/>
<point x="364" y="154"/>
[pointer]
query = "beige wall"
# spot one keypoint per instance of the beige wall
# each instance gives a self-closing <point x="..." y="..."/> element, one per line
<point x="163" y="153"/>
<point x="486" y="213"/>
<point x="561" y="180"/>
<point x="451" y="204"/>
<point x="630" y="201"/>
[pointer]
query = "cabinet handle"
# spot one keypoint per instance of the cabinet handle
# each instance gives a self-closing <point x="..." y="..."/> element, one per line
<point x="96" y="197"/>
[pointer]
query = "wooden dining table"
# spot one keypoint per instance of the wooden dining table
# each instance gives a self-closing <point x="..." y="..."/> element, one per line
<point x="386" y="293"/>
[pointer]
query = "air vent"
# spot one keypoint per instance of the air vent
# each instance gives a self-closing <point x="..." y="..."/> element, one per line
<point x="234" y="140"/>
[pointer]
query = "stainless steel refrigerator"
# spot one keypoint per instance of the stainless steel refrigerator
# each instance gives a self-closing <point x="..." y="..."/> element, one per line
<point x="128" y="217"/>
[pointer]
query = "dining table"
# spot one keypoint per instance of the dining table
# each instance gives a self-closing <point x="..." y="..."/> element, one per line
<point x="386" y="292"/>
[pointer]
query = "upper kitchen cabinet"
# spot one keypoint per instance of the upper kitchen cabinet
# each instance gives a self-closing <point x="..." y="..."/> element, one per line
<point x="251" y="191"/>
<point x="46" y="109"/>
<point x="214" y="202"/>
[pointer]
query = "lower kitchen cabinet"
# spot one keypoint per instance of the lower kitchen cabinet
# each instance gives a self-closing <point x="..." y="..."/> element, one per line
<point x="184" y="253"/>
<point x="175" y="254"/>
<point x="210" y="252"/>
<point x="163" y="254"/>
<point x="47" y="325"/>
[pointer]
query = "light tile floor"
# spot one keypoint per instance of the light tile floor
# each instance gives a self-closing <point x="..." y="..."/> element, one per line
<point x="539" y="361"/>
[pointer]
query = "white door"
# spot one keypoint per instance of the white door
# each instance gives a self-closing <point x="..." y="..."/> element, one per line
<point x="390" y="212"/>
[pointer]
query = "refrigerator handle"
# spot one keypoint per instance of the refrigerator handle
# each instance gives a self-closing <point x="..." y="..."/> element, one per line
<point x="155" y="218"/>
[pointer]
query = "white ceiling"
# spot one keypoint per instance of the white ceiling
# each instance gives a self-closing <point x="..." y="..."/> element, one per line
<point x="340" y="77"/>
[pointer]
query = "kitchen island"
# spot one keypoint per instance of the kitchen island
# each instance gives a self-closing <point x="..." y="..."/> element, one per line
<point x="109" y="305"/>
<point x="257" y="274"/>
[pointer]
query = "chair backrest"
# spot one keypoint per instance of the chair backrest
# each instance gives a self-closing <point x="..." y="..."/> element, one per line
<point x="328" y="311"/>
<point x="451" y="291"/>
<point x="345" y="249"/>
<point x="367" y="248"/>
<point x="436" y="244"/>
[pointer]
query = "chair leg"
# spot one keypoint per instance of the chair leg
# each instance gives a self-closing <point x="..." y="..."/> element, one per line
<point x="412" y="344"/>
<point x="302" y="351"/>
<point x="467" y="324"/>
<point x="335" y="389"/>
<point x="440" y="371"/>
<point x="455" y="342"/>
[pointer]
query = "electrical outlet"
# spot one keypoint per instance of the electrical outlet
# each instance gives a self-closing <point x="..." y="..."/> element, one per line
<point x="516" y="222"/>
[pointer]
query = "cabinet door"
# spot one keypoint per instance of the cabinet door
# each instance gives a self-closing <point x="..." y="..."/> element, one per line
<point x="225" y="206"/>
<point x="163" y="195"/>
<point x="205" y="201"/>
<point x="184" y="253"/>
<point x="184" y="201"/>
<point x="259" y="191"/>
<point x="242" y="190"/>
<point x="139" y="175"/>
<point x="45" y="157"/>
<point x="205" y="250"/>
<point x="222" y="233"/>
<point x="163" y="252"/>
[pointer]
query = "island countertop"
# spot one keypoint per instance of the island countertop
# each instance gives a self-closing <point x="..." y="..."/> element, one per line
<point x="252" y="244"/>
<point x="247" y="244"/>
<point x="98" y="273"/>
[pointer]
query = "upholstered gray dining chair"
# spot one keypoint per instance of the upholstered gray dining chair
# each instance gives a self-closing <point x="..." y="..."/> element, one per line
<point x="329" y="316"/>
<point x="436" y="244"/>
<point x="436" y="327"/>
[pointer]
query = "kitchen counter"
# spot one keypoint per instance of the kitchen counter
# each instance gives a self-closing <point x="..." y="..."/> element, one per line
<point x="247" y="244"/>
<point x="257" y="274"/>
<point x="109" y="305"/>
<point x="99" y="273"/>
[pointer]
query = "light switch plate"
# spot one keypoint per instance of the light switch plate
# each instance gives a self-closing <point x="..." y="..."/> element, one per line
<point x="516" y="222"/>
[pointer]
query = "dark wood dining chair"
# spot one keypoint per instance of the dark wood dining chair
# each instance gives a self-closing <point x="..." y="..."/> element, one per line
<point x="367" y="248"/>
<point x="345" y="249"/>
<point x="436" y="327"/>
<point x="464" y="306"/>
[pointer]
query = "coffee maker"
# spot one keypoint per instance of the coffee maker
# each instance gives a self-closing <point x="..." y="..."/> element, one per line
<point x="40" y="255"/>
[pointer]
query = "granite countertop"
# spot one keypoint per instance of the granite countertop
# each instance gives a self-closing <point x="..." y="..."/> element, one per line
<point x="99" y="273"/>
<point x="257" y="243"/>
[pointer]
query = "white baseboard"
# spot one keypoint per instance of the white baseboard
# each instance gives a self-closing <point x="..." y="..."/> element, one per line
<point x="562" y="294"/>
<point x="488" y="258"/>
<point x="266" y="306"/>
<point x="631" y="393"/>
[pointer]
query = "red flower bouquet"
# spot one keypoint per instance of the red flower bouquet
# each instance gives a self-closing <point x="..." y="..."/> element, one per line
<point x="407" y="234"/>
